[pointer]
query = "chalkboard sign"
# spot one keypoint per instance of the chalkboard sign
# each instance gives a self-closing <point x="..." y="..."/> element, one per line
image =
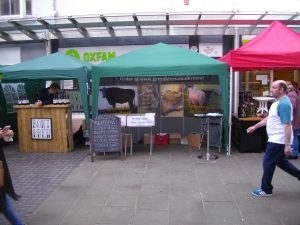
<point x="105" y="134"/>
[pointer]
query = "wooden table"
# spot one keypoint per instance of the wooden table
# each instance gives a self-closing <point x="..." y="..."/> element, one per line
<point x="45" y="128"/>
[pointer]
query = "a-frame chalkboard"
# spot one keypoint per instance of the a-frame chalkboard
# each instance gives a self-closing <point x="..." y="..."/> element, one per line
<point x="105" y="135"/>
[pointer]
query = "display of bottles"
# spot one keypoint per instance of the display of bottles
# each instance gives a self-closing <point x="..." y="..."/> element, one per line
<point x="23" y="100"/>
<point x="245" y="99"/>
<point x="55" y="99"/>
<point x="61" y="99"/>
<point x="67" y="99"/>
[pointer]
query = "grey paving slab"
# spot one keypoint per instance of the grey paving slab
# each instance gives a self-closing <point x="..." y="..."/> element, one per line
<point x="218" y="213"/>
<point x="115" y="215"/>
<point x="154" y="201"/>
<point x="259" y="218"/>
<point x="150" y="217"/>
<point x="170" y="187"/>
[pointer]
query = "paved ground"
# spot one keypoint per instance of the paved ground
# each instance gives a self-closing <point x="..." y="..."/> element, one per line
<point x="172" y="187"/>
<point x="37" y="175"/>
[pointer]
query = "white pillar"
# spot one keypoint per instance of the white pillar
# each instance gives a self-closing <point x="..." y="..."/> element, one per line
<point x="236" y="75"/>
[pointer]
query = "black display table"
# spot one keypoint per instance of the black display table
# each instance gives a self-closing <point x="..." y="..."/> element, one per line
<point x="247" y="143"/>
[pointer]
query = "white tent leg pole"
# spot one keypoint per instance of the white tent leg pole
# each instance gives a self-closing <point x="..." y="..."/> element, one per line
<point x="235" y="104"/>
<point x="230" y="111"/>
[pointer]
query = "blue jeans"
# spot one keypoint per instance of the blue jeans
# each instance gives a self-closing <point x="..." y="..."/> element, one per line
<point x="295" y="144"/>
<point x="275" y="156"/>
<point x="11" y="214"/>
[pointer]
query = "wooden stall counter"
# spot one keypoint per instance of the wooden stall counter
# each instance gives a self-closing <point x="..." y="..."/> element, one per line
<point x="45" y="128"/>
<point x="246" y="143"/>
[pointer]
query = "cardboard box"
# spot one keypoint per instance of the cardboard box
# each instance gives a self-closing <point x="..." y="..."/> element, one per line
<point x="147" y="139"/>
<point x="194" y="139"/>
<point x="175" y="138"/>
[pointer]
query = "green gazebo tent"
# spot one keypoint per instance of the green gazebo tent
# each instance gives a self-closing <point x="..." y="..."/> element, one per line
<point x="56" y="66"/>
<point x="162" y="60"/>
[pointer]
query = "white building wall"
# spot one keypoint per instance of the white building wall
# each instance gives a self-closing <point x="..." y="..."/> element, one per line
<point x="68" y="7"/>
<point x="49" y="8"/>
<point x="43" y="8"/>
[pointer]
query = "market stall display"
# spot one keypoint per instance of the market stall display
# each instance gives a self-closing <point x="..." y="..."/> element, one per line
<point x="163" y="61"/>
<point x="56" y="66"/>
<point x="277" y="47"/>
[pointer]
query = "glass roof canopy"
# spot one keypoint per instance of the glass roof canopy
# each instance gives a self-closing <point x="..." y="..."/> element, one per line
<point x="143" y="24"/>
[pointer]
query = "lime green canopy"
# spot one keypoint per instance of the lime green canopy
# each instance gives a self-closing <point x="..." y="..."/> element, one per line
<point x="162" y="60"/>
<point x="57" y="66"/>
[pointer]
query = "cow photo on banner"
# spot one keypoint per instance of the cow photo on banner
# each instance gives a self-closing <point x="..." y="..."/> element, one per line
<point x="202" y="98"/>
<point x="171" y="100"/>
<point x="148" y="98"/>
<point x="118" y="99"/>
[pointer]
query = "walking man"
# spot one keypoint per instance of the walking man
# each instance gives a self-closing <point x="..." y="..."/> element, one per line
<point x="280" y="137"/>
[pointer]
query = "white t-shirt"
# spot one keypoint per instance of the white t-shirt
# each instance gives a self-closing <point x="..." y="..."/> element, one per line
<point x="280" y="114"/>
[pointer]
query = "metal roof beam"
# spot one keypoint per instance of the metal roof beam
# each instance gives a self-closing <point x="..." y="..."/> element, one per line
<point x="167" y="23"/>
<point x="5" y="36"/>
<point x="294" y="16"/>
<point x="27" y="32"/>
<point x="257" y="21"/>
<point x="81" y="30"/>
<point x="55" y="32"/>
<point x="197" y="25"/>
<point x="229" y="19"/>
<point x="109" y="29"/>
<point x="138" y="27"/>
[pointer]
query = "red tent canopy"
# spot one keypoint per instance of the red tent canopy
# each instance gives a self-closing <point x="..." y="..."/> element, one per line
<point x="277" y="47"/>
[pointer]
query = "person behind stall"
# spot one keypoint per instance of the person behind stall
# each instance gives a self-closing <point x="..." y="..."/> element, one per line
<point x="8" y="191"/>
<point x="47" y="94"/>
<point x="280" y="135"/>
<point x="294" y="97"/>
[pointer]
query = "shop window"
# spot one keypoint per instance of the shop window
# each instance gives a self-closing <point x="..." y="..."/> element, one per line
<point x="13" y="92"/>
<point x="257" y="82"/>
<point x="28" y="7"/>
<point x="15" y="7"/>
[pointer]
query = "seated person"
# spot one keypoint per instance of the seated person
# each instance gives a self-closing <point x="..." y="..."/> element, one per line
<point x="47" y="94"/>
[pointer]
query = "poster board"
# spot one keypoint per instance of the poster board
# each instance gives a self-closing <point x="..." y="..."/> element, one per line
<point x="144" y="120"/>
<point x="41" y="128"/>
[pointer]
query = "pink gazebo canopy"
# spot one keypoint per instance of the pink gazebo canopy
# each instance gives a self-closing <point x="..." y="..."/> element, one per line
<point x="277" y="47"/>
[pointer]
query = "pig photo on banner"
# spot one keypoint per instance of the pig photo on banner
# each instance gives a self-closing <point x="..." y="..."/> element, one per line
<point x="202" y="98"/>
<point x="148" y="97"/>
<point x="118" y="99"/>
<point x="171" y="100"/>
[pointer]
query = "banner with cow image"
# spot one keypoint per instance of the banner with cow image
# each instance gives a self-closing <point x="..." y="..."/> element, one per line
<point x="202" y="98"/>
<point x="118" y="99"/>
<point x="148" y="97"/>
<point x="171" y="100"/>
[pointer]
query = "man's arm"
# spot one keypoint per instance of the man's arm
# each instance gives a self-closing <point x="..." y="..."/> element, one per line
<point x="258" y="125"/>
<point x="287" y="138"/>
<point x="44" y="98"/>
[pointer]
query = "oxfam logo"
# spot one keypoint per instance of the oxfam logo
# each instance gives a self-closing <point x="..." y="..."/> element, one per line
<point x="73" y="52"/>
